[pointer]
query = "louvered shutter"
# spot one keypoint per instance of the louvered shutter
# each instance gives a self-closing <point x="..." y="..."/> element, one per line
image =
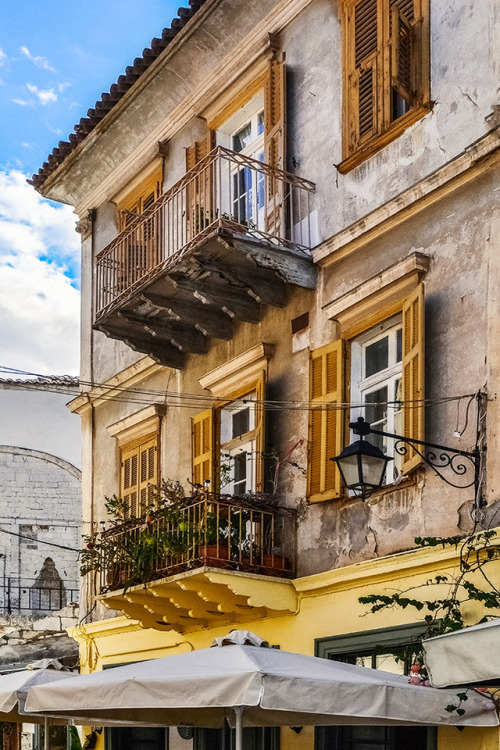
<point x="203" y="447"/>
<point x="129" y="476"/>
<point x="260" y="432"/>
<point x="403" y="50"/>
<point x="274" y="143"/>
<point x="363" y="50"/>
<point x="200" y="199"/>
<point x="326" y="424"/>
<point x="148" y="479"/>
<point x="413" y="373"/>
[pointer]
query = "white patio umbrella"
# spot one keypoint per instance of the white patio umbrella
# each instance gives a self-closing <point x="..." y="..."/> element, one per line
<point x="251" y="685"/>
<point x="465" y="657"/>
<point x="14" y="689"/>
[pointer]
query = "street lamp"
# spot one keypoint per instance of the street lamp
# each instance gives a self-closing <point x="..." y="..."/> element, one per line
<point x="363" y="465"/>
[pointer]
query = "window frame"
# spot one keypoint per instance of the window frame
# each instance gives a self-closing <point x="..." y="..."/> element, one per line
<point x="367" y="643"/>
<point x="411" y="307"/>
<point x="355" y="147"/>
<point x="129" y="450"/>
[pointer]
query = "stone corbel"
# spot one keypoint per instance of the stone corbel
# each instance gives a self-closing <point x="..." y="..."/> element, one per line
<point x="84" y="226"/>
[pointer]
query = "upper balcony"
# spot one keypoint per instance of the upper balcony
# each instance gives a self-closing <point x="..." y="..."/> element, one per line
<point x="208" y="560"/>
<point x="218" y="245"/>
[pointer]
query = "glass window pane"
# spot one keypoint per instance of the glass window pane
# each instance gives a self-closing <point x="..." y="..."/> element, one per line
<point x="260" y="123"/>
<point x="243" y="138"/>
<point x="376" y="356"/>
<point x="390" y="663"/>
<point x="376" y="406"/>
<point x="399" y="345"/>
<point x="241" y="422"/>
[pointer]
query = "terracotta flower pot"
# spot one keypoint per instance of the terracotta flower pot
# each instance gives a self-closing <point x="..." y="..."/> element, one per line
<point x="213" y="555"/>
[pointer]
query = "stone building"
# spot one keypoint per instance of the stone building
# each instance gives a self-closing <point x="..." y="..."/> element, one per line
<point x="288" y="219"/>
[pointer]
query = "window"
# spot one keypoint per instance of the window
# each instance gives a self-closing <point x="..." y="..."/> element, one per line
<point x="392" y="650"/>
<point x="254" y="738"/>
<point x="376" y="380"/>
<point x="383" y="367"/>
<point x="228" y="445"/>
<point x="136" y="738"/>
<point x="386" y="78"/>
<point x="139" y="475"/>
<point x="141" y="244"/>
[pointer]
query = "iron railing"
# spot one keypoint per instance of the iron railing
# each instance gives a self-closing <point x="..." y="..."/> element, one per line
<point x="213" y="531"/>
<point x="29" y="596"/>
<point x="224" y="190"/>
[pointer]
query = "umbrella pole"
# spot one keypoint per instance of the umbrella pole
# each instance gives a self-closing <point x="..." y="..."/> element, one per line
<point x="238" y="710"/>
<point x="46" y="723"/>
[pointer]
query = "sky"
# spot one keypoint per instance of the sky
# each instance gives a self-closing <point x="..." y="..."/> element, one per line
<point x="56" y="58"/>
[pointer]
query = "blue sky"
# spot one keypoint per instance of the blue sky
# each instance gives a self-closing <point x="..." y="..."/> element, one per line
<point x="56" y="58"/>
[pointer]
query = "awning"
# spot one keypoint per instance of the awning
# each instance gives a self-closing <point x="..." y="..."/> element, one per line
<point x="468" y="657"/>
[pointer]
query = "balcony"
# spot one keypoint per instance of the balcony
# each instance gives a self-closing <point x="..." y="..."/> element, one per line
<point x="207" y="562"/>
<point x="225" y="240"/>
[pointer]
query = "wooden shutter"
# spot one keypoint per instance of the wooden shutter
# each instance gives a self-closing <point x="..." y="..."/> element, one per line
<point x="260" y="432"/>
<point x="402" y="50"/>
<point x="148" y="479"/>
<point x="203" y="448"/>
<point x="274" y="143"/>
<point x="363" y="53"/>
<point x="326" y="425"/>
<point x="129" y="477"/>
<point x="200" y="199"/>
<point x="139" y="475"/>
<point x="413" y="373"/>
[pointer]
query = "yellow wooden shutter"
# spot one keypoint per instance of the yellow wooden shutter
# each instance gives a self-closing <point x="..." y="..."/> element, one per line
<point x="326" y="424"/>
<point x="363" y="71"/>
<point x="413" y="373"/>
<point x="129" y="477"/>
<point x="203" y="447"/>
<point x="274" y="142"/>
<point x="200" y="190"/>
<point x="260" y="432"/>
<point x="148" y="479"/>
<point x="403" y="50"/>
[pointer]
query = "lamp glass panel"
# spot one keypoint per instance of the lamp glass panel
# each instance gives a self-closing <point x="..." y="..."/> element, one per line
<point x="349" y="467"/>
<point x="373" y="470"/>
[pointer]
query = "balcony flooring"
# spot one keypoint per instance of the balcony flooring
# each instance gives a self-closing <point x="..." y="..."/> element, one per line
<point x="199" y="295"/>
<point x="204" y="597"/>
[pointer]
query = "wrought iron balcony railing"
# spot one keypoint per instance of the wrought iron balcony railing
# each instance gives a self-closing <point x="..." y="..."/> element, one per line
<point x="30" y="596"/>
<point x="213" y="531"/>
<point x="224" y="190"/>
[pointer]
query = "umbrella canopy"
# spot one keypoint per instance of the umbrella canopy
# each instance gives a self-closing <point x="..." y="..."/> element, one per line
<point x="466" y="657"/>
<point x="14" y="688"/>
<point x="271" y="687"/>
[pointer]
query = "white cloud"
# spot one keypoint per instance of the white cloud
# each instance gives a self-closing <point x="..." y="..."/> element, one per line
<point x="23" y="102"/>
<point x="3" y="56"/>
<point x="39" y="301"/>
<point x="44" y="95"/>
<point x="40" y="62"/>
<point x="63" y="86"/>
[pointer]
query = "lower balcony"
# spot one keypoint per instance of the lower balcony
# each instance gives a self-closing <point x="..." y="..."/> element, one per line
<point x="208" y="561"/>
<point x="227" y="239"/>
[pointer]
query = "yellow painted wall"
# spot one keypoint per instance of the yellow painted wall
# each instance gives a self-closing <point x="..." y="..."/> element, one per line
<point x="327" y="605"/>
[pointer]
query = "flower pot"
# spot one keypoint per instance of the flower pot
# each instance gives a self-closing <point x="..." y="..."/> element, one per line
<point x="271" y="563"/>
<point x="213" y="555"/>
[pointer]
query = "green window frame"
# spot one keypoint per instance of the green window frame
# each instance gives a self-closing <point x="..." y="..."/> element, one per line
<point x="403" y="641"/>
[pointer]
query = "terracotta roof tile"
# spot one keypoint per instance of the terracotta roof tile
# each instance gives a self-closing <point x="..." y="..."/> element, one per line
<point x="117" y="90"/>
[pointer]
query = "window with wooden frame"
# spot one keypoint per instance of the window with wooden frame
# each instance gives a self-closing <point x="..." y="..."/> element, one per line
<point x="380" y="371"/>
<point x="386" y="72"/>
<point x="141" y="247"/>
<point x="260" y="203"/>
<point x="139" y="474"/>
<point x="228" y="443"/>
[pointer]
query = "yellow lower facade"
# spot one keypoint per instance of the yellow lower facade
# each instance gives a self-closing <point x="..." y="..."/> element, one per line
<point x="326" y="606"/>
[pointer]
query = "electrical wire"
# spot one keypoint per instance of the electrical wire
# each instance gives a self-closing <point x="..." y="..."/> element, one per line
<point x="146" y="396"/>
<point x="38" y="541"/>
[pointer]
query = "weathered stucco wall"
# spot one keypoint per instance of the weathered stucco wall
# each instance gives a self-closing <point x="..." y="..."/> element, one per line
<point x="456" y="233"/>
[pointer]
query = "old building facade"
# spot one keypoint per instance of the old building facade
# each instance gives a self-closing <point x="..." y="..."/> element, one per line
<point x="288" y="221"/>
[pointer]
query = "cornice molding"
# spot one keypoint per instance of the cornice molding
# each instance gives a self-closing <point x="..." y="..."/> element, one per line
<point x="236" y="63"/>
<point x="239" y="371"/>
<point x="471" y="163"/>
